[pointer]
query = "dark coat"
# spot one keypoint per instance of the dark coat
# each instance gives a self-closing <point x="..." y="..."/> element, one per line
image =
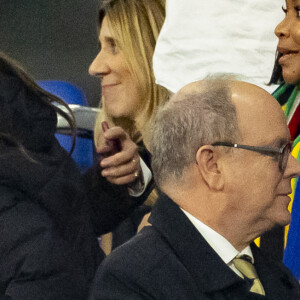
<point x="128" y="228"/>
<point x="171" y="260"/>
<point x="49" y="217"/>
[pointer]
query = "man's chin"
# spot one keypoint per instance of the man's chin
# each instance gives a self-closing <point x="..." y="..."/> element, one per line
<point x="284" y="220"/>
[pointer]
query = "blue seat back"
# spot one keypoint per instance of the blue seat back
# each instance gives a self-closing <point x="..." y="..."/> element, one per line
<point x="71" y="94"/>
<point x="291" y="254"/>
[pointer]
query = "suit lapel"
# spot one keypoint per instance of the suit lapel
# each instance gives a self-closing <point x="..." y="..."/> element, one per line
<point x="205" y="266"/>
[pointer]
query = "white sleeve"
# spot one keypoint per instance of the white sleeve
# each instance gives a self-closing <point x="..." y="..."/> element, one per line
<point x="199" y="38"/>
<point x="138" y="189"/>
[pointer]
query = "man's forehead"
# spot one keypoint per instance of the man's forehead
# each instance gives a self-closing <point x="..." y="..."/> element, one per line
<point x="260" y="117"/>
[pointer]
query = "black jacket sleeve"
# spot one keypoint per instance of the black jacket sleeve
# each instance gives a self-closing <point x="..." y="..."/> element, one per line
<point x="35" y="262"/>
<point x="110" y="203"/>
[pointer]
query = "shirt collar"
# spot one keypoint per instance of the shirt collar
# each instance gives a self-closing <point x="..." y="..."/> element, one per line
<point x="221" y="245"/>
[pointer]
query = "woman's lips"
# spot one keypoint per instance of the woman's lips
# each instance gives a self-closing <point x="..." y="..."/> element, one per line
<point x="106" y="88"/>
<point x="286" y="55"/>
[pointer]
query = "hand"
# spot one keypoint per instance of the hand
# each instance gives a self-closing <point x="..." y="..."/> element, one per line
<point x="122" y="167"/>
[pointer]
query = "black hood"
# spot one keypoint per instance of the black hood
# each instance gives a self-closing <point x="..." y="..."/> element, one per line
<point x="44" y="171"/>
<point x="26" y="115"/>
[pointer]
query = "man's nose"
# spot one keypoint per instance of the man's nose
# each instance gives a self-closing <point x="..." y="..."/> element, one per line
<point x="293" y="167"/>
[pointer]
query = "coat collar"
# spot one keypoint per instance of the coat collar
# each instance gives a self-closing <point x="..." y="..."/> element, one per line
<point x="210" y="273"/>
<point x="207" y="268"/>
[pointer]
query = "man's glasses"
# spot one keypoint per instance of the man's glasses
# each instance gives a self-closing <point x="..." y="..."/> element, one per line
<point x="283" y="153"/>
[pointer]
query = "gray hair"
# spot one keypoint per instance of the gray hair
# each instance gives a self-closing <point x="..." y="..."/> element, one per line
<point x="190" y="120"/>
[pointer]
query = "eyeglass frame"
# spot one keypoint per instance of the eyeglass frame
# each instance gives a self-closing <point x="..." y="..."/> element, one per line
<point x="264" y="150"/>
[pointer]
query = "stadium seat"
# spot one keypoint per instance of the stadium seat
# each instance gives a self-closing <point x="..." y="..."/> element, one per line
<point x="71" y="94"/>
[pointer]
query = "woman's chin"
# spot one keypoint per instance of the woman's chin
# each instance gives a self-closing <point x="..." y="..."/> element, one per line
<point x="291" y="77"/>
<point x="119" y="114"/>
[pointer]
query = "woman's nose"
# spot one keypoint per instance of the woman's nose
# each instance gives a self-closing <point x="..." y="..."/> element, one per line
<point x="99" y="66"/>
<point x="282" y="29"/>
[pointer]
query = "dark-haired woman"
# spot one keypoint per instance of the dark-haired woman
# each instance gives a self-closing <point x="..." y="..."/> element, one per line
<point x="49" y="217"/>
<point x="286" y="72"/>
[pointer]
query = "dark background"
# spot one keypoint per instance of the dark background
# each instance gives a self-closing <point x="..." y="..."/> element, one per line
<point x="53" y="39"/>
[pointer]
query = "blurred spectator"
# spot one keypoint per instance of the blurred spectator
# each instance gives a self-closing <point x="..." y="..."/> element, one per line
<point x="50" y="218"/>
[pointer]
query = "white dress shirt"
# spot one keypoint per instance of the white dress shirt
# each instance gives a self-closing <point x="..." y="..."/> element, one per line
<point x="221" y="246"/>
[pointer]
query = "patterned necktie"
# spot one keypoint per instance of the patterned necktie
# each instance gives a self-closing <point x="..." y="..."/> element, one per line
<point x="243" y="264"/>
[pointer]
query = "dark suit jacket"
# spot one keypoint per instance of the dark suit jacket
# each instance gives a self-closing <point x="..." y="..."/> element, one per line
<point x="171" y="260"/>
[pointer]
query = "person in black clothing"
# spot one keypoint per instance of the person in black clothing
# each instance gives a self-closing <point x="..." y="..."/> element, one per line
<point x="50" y="216"/>
<point x="221" y="155"/>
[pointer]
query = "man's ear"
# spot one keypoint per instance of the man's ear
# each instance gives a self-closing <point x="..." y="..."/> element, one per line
<point x="209" y="167"/>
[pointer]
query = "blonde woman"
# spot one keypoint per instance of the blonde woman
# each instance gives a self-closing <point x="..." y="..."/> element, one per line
<point x="130" y="97"/>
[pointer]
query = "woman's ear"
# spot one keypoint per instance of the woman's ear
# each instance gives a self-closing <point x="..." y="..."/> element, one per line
<point x="209" y="167"/>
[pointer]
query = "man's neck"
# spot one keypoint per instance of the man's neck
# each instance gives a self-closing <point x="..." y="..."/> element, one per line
<point x="212" y="209"/>
<point x="214" y="216"/>
<point x="218" y="242"/>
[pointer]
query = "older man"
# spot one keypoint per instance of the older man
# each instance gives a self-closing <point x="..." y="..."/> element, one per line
<point x="221" y="156"/>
